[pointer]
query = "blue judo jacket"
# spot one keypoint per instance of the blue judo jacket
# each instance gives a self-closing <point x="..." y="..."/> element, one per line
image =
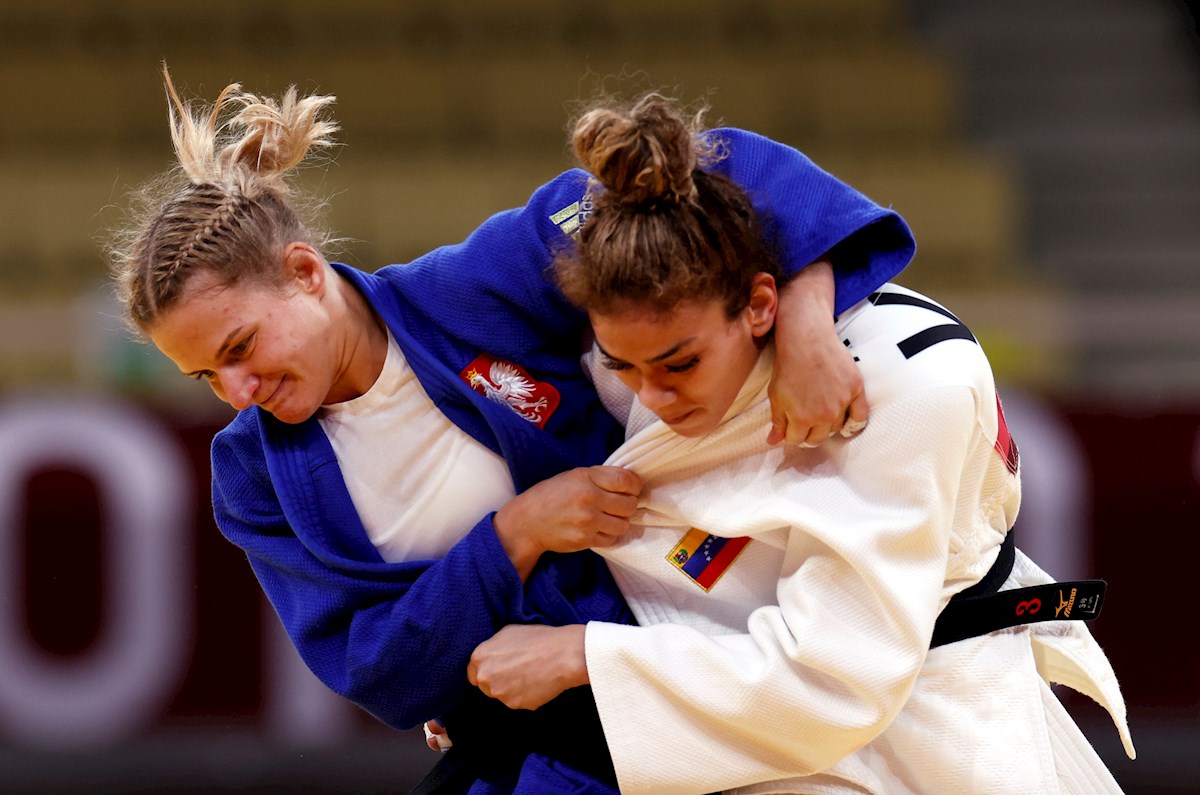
<point x="395" y="638"/>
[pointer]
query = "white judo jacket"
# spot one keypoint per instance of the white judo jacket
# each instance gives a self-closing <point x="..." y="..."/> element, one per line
<point x="787" y="595"/>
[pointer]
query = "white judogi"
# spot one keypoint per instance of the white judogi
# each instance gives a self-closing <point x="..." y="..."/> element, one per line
<point x="808" y="656"/>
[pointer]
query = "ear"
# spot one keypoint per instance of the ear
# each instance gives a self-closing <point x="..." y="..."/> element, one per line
<point x="764" y="302"/>
<point x="304" y="268"/>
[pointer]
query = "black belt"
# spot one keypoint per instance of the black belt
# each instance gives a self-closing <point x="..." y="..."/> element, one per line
<point x="457" y="771"/>
<point x="452" y="775"/>
<point x="984" y="608"/>
<point x="491" y="741"/>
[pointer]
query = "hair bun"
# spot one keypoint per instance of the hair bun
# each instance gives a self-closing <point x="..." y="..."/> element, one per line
<point x="257" y="146"/>
<point x="278" y="135"/>
<point x="644" y="156"/>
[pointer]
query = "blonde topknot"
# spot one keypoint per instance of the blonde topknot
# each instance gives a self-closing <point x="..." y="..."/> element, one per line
<point x="266" y="138"/>
<point x="227" y="208"/>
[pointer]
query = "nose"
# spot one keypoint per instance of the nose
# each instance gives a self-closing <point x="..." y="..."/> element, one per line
<point x="655" y="395"/>
<point x="238" y="387"/>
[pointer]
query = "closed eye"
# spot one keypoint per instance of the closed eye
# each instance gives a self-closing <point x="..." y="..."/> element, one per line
<point x="242" y="347"/>
<point x="613" y="364"/>
<point x="683" y="368"/>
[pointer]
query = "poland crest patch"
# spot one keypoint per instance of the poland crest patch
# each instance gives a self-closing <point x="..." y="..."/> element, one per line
<point x="508" y="383"/>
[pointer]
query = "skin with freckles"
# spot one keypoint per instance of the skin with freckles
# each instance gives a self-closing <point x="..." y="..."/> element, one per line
<point x="284" y="347"/>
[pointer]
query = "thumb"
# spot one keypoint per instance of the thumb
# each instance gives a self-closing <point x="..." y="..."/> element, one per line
<point x="778" y="426"/>
<point x="856" y="416"/>
<point x="858" y="409"/>
<point x="616" y="480"/>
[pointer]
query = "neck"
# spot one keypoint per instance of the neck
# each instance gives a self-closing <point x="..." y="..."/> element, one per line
<point x="363" y="345"/>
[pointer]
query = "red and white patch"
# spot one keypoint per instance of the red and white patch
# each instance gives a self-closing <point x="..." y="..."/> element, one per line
<point x="1005" y="446"/>
<point x="508" y="383"/>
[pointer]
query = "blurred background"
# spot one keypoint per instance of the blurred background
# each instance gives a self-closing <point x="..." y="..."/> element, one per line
<point x="1046" y="154"/>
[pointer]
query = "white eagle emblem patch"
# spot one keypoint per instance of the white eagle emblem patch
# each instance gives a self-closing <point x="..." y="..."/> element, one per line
<point x="508" y="383"/>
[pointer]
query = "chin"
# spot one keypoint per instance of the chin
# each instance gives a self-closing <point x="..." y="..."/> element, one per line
<point x="694" y="426"/>
<point x="705" y="431"/>
<point x="290" y="420"/>
<point x="292" y="415"/>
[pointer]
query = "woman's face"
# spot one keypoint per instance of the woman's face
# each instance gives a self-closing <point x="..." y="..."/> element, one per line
<point x="686" y="365"/>
<point x="255" y="345"/>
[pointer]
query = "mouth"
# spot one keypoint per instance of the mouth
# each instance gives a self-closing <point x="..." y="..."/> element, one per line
<point x="681" y="418"/>
<point x="266" y="404"/>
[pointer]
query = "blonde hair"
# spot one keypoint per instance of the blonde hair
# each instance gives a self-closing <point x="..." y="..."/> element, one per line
<point x="662" y="229"/>
<point x="227" y="208"/>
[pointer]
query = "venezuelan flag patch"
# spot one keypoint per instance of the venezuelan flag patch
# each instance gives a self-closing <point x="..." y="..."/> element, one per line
<point x="703" y="558"/>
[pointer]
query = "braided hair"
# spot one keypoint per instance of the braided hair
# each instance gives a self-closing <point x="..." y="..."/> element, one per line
<point x="227" y="208"/>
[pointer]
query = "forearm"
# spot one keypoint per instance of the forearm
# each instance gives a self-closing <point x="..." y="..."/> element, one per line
<point x="527" y="666"/>
<point x="575" y="510"/>
<point x="808" y="214"/>
<point x="816" y="389"/>
<point x="521" y="548"/>
<point x="518" y="246"/>
<point x="806" y="304"/>
<point x="362" y="627"/>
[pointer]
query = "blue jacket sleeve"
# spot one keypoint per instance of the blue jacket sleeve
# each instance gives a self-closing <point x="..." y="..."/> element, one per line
<point x="393" y="638"/>
<point x="808" y="212"/>
<point x="502" y="270"/>
<point x="496" y="287"/>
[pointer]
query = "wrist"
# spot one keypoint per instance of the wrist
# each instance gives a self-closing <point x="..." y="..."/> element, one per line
<point x="575" y="671"/>
<point x="807" y="301"/>
<point x="521" y="550"/>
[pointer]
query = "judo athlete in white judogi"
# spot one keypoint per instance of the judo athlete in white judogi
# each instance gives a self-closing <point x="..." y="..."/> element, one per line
<point x="788" y="596"/>
<point x="808" y="641"/>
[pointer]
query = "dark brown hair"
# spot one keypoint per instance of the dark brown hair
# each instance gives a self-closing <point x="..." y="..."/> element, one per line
<point x="663" y="229"/>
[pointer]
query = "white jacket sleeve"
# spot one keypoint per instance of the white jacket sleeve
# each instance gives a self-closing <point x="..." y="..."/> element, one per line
<point x="820" y="674"/>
